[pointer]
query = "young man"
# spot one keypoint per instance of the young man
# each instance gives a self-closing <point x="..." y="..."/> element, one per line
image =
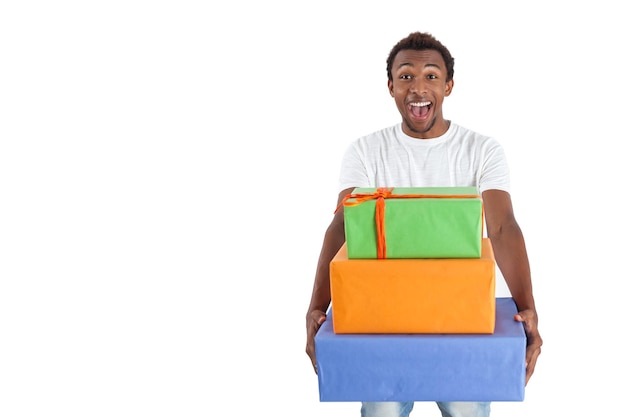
<point x="426" y="150"/>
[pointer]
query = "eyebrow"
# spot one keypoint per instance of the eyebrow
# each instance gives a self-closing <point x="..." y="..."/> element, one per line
<point x="408" y="64"/>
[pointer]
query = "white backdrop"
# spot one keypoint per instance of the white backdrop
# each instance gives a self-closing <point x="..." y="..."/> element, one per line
<point x="168" y="169"/>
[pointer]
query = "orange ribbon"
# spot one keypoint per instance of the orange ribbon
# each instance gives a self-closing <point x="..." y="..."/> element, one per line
<point x="380" y="195"/>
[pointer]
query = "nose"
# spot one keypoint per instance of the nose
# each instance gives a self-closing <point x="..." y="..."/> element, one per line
<point x="418" y="87"/>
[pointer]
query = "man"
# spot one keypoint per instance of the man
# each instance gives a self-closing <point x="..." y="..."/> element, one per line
<point x="426" y="150"/>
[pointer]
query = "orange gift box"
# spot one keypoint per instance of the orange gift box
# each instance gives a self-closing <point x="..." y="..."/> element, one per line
<point x="450" y="295"/>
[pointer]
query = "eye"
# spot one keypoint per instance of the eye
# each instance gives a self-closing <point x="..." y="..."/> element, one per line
<point x="432" y="77"/>
<point x="405" y="77"/>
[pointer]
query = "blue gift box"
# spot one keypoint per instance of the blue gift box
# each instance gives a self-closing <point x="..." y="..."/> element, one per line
<point x="424" y="367"/>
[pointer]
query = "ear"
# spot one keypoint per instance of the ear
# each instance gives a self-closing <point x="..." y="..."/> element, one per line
<point x="390" y="87"/>
<point x="448" y="89"/>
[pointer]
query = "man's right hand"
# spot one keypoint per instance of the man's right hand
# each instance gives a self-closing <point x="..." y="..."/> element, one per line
<point x="314" y="320"/>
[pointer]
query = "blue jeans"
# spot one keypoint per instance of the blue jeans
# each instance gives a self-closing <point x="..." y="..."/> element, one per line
<point x="448" y="409"/>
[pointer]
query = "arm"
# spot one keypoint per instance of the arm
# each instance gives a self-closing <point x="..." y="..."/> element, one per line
<point x="320" y="297"/>
<point x="510" y="251"/>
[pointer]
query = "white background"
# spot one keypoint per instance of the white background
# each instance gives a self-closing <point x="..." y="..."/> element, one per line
<point x="168" y="169"/>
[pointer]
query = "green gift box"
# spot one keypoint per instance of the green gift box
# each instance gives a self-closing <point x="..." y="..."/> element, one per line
<point x="413" y="222"/>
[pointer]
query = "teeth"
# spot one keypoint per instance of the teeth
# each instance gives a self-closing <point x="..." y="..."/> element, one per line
<point x="420" y="104"/>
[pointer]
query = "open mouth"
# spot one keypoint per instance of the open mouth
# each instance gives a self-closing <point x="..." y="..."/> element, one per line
<point x="420" y="110"/>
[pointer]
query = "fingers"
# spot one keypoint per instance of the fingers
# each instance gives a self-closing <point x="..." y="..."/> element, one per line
<point x="533" y="350"/>
<point x="533" y="340"/>
<point x="530" y="366"/>
<point x="314" y="322"/>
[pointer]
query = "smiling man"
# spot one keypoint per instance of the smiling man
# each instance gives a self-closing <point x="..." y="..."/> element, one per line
<point x="426" y="150"/>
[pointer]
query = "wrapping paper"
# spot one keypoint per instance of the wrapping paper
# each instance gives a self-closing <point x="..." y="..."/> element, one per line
<point x="423" y="367"/>
<point x="416" y="227"/>
<point x="414" y="295"/>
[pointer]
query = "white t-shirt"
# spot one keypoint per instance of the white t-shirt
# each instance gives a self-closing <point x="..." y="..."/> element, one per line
<point x="458" y="158"/>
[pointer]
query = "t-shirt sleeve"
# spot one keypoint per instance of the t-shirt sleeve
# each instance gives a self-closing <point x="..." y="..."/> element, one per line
<point x="495" y="172"/>
<point x="353" y="172"/>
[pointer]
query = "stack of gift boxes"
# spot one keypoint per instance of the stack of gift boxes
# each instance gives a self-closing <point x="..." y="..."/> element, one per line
<point x="414" y="316"/>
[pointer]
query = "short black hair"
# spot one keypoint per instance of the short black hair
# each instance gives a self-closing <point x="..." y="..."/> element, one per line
<point x="419" y="41"/>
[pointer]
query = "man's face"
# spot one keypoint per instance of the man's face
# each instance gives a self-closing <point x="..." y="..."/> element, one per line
<point x="419" y="87"/>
